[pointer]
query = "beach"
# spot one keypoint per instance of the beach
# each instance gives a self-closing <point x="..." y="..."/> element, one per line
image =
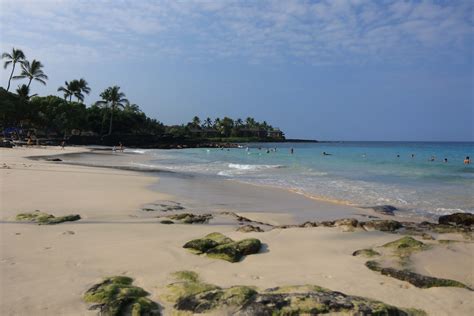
<point x="45" y="269"/>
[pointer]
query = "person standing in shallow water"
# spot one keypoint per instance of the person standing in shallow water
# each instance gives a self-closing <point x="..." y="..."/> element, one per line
<point x="291" y="151"/>
<point x="467" y="160"/>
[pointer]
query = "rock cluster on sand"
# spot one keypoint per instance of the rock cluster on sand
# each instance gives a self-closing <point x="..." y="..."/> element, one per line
<point x="116" y="296"/>
<point x="403" y="248"/>
<point x="189" y="218"/>
<point x="218" y="246"/>
<point x="191" y="295"/>
<point x="45" y="218"/>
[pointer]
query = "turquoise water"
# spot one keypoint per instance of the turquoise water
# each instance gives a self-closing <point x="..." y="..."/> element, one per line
<point x="358" y="173"/>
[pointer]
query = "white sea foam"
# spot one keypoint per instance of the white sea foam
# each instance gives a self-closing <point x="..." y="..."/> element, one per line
<point x="253" y="167"/>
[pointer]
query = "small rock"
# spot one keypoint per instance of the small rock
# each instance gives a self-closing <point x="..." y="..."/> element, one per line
<point x="460" y="219"/>
<point x="249" y="228"/>
<point x="383" y="209"/>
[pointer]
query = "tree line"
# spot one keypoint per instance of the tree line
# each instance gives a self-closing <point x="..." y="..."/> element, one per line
<point x="113" y="113"/>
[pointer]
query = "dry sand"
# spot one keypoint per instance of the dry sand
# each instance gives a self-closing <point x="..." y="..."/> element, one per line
<point x="44" y="270"/>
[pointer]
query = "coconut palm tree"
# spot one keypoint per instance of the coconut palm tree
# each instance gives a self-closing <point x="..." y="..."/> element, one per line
<point x="16" y="56"/>
<point x="82" y="86"/>
<point x="75" y="88"/>
<point x="32" y="71"/>
<point x="196" y="122"/>
<point x="115" y="99"/>
<point x="208" y="122"/>
<point x="24" y="92"/>
<point x="68" y="89"/>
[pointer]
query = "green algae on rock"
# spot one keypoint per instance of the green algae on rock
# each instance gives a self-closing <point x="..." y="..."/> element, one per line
<point x="189" y="218"/>
<point x="191" y="295"/>
<point x="249" y="229"/>
<point x="219" y="246"/>
<point x="416" y="279"/>
<point x="403" y="248"/>
<point x="45" y="218"/>
<point x="116" y="296"/>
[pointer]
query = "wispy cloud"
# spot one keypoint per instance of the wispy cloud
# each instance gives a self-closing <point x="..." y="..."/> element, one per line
<point x="313" y="32"/>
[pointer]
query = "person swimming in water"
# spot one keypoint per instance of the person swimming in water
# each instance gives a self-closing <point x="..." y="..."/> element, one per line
<point x="398" y="156"/>
<point x="445" y="159"/>
<point x="433" y="158"/>
<point x="326" y="154"/>
<point x="467" y="160"/>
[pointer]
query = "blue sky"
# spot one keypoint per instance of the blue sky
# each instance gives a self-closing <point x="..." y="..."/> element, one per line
<point x="331" y="70"/>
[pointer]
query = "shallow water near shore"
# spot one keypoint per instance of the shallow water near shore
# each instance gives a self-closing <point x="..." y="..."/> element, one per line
<point x="354" y="173"/>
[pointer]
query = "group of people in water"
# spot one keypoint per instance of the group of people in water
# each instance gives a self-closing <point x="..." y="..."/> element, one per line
<point x="467" y="160"/>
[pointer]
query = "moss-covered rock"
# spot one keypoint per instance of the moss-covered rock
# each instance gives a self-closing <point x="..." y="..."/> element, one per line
<point x="382" y="225"/>
<point x="45" y="218"/>
<point x="249" y="229"/>
<point x="201" y="245"/>
<point x="406" y="242"/>
<point x="403" y="248"/>
<point x="419" y="280"/>
<point x="191" y="295"/>
<point x="366" y="253"/>
<point x="218" y="246"/>
<point x="461" y="219"/>
<point x="116" y="296"/>
<point x="189" y="218"/>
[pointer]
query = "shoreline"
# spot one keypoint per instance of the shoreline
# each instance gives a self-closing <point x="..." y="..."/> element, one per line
<point x="45" y="269"/>
<point x="400" y="214"/>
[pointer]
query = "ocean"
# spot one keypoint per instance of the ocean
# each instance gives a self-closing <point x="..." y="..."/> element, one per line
<point x="401" y="174"/>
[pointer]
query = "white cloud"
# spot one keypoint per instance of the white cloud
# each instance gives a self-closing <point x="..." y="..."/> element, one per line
<point x="315" y="32"/>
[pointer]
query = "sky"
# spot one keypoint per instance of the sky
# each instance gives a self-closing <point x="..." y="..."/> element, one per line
<point x="326" y="70"/>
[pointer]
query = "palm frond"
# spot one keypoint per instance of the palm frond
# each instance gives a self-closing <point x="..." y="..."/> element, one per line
<point x="8" y="62"/>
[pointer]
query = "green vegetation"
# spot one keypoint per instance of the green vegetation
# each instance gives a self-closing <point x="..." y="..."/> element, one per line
<point x="189" y="294"/>
<point x="218" y="246"/>
<point x="55" y="117"/>
<point x="45" y="218"/>
<point x="117" y="296"/>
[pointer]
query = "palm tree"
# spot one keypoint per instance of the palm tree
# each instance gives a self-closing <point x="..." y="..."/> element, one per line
<point x="75" y="88"/>
<point x="68" y="89"/>
<point x="196" y="122"/>
<point x="32" y="71"/>
<point x="16" y="56"/>
<point x="250" y="122"/>
<point x="82" y="86"/>
<point x="113" y="97"/>
<point x="239" y="122"/>
<point x="23" y="92"/>
<point x="208" y="122"/>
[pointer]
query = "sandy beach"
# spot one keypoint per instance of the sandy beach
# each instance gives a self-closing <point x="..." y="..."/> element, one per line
<point x="45" y="269"/>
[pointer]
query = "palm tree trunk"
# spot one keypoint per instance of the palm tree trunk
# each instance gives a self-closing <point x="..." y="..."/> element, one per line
<point x="29" y="82"/>
<point x="111" y="119"/>
<point x="11" y="75"/>
<point x="70" y="98"/>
